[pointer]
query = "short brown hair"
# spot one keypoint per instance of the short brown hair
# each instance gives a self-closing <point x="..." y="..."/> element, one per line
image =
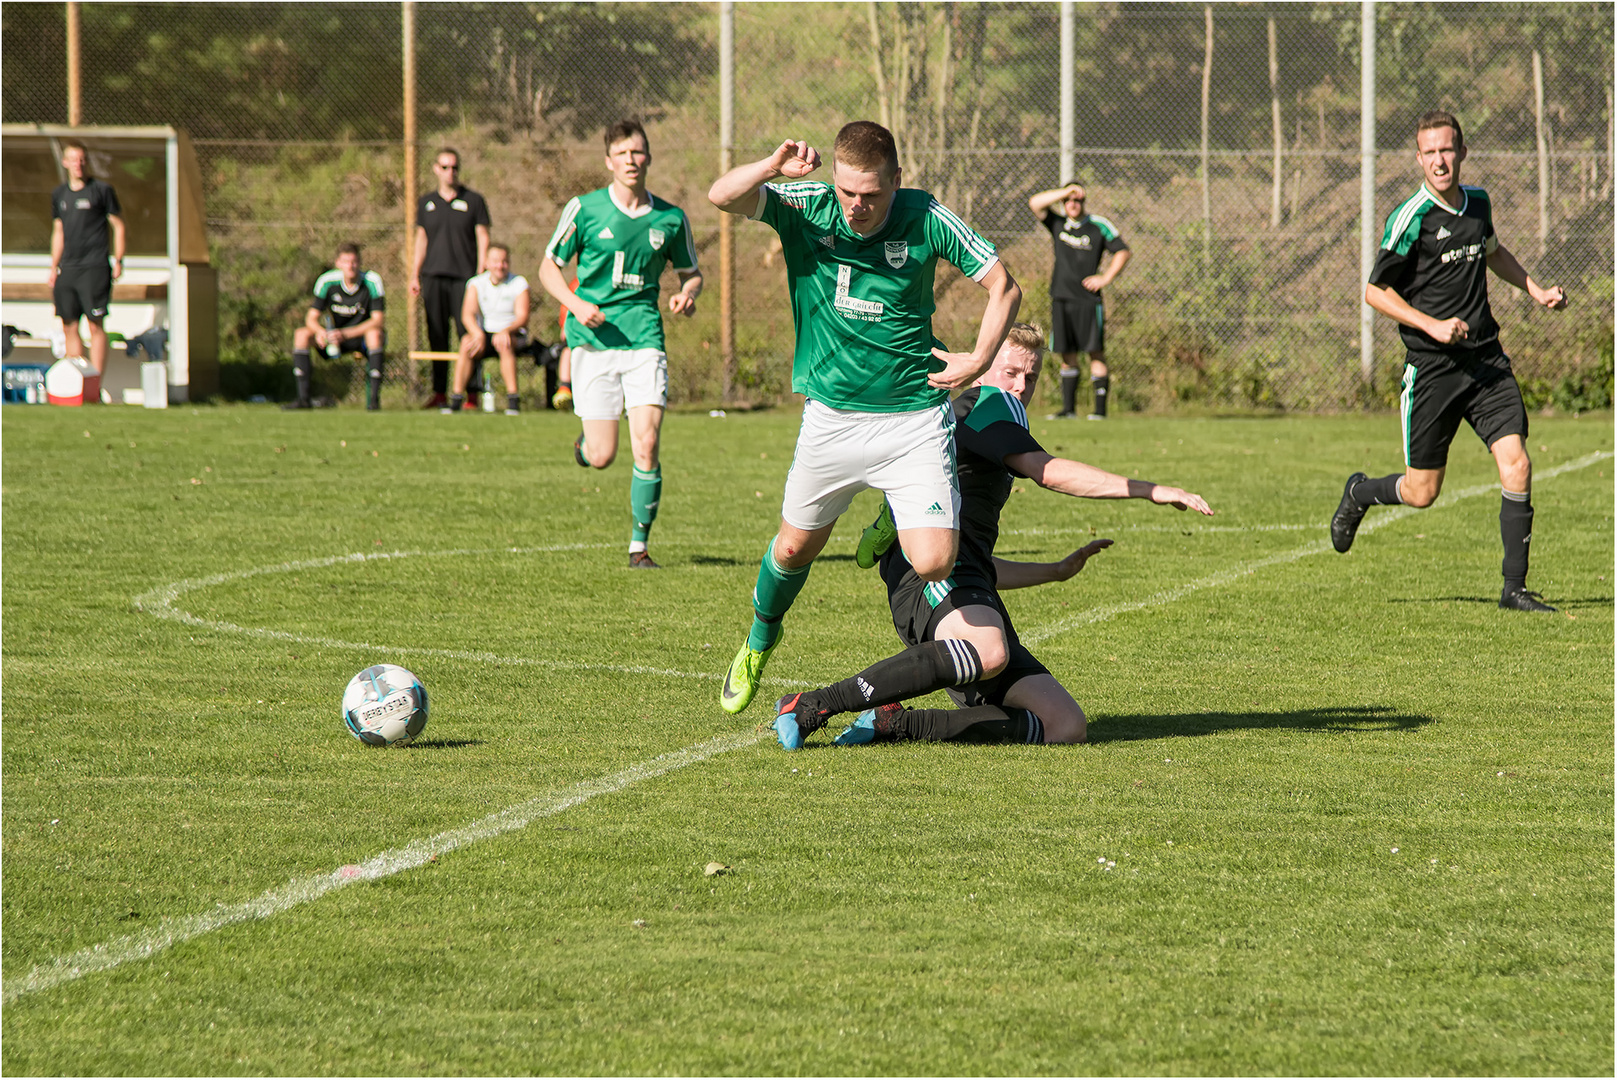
<point x="1437" y="118"/>
<point x="494" y="245"/>
<point x="451" y="151"/>
<point x="624" y="129"/>
<point x="868" y="147"/>
<point x="348" y="247"/>
<point x="74" y="144"/>
<point x="1030" y="337"/>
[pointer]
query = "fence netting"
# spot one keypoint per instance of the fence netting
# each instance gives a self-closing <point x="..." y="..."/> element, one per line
<point x="1244" y="289"/>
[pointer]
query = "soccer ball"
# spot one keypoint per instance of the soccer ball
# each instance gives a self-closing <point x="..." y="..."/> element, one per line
<point x="385" y="705"/>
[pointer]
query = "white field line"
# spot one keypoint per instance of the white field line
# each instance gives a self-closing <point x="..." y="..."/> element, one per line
<point x="171" y="931"/>
<point x="302" y="890"/>
<point x="1317" y="547"/>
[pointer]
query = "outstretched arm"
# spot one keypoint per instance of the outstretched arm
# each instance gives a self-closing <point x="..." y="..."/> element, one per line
<point x="962" y="369"/>
<point x="1087" y="482"/>
<point x="736" y="192"/>
<point x="555" y="284"/>
<point x="1507" y="267"/>
<point x="1021" y="575"/>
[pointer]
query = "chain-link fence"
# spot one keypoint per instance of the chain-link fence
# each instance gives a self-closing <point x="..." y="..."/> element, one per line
<point x="1244" y="288"/>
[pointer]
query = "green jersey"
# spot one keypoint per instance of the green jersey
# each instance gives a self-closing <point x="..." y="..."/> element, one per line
<point x="620" y="257"/>
<point x="862" y="305"/>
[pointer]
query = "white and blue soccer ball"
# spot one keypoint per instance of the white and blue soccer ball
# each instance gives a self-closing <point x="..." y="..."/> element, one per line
<point x="385" y="705"/>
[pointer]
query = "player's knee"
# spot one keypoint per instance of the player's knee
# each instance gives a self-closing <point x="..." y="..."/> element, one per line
<point x="1065" y="726"/>
<point x="1419" y="496"/>
<point x="992" y="654"/>
<point x="301" y="338"/>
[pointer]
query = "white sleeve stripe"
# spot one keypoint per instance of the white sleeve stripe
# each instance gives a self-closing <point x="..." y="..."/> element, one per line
<point x="968" y="238"/>
<point x="992" y="262"/>
<point x="563" y="227"/>
<point x="1018" y="413"/>
<point x="763" y="197"/>
<point x="1403" y="216"/>
<point x="690" y="248"/>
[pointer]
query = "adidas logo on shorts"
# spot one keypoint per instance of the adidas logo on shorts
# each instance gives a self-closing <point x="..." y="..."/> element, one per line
<point x="935" y="508"/>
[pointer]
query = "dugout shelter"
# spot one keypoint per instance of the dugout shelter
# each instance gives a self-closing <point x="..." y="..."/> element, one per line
<point x="168" y="281"/>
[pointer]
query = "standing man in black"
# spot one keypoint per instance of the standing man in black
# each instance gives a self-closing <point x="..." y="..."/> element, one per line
<point x="81" y="276"/>
<point x="451" y="246"/>
<point x="1077" y="314"/>
<point x="1431" y="277"/>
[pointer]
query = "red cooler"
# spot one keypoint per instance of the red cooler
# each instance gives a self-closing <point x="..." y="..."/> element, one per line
<point x="72" y="381"/>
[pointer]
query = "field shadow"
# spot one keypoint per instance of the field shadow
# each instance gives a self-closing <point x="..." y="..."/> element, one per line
<point x="1493" y="601"/>
<point x="1338" y="718"/>
<point x="715" y="560"/>
<point x="444" y="744"/>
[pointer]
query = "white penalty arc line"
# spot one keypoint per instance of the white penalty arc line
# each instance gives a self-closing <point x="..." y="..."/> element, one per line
<point x="173" y="930"/>
<point x="160" y="602"/>
<point x="1318" y="547"/>
<point x="302" y="890"/>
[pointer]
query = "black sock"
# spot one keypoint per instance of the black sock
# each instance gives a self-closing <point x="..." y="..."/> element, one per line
<point x="1069" y="390"/>
<point x="513" y="402"/>
<point x="300" y="372"/>
<point x="929" y="666"/>
<point x="373" y="389"/>
<point x="1382" y="491"/>
<point x="1515" y="531"/>
<point x="457" y="401"/>
<point x="981" y="724"/>
<point x="1101" y="384"/>
<point x="440" y="376"/>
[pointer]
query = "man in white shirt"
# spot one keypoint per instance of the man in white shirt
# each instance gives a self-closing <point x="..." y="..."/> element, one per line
<point x="495" y="314"/>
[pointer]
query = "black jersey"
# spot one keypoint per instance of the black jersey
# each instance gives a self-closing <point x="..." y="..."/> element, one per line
<point x="348" y="308"/>
<point x="83" y="214"/>
<point x="451" y="227"/>
<point x="1078" y="245"/>
<point x="990" y="425"/>
<point x="1437" y="259"/>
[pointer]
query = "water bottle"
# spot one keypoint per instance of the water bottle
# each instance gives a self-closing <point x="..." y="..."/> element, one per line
<point x="333" y="350"/>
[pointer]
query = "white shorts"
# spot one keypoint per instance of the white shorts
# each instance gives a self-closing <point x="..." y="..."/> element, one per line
<point x="907" y="456"/>
<point x="605" y="381"/>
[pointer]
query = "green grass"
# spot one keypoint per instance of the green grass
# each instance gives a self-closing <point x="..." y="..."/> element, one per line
<point x="1261" y="745"/>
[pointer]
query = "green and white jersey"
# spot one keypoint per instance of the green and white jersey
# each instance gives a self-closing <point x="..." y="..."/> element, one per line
<point x="862" y="306"/>
<point x="620" y="257"/>
<point x="348" y="308"/>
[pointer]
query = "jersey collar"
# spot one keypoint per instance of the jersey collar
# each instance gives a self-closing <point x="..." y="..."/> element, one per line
<point x="612" y="193"/>
<point x="1465" y="199"/>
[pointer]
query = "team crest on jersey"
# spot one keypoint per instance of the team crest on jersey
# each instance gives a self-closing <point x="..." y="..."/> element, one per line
<point x="898" y="253"/>
<point x="656" y="236"/>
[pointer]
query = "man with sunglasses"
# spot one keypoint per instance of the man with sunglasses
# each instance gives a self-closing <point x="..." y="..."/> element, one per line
<point x="1077" y="315"/>
<point x="451" y="246"/>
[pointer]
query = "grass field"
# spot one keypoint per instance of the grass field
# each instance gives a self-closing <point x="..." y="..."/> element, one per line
<point x="1339" y="814"/>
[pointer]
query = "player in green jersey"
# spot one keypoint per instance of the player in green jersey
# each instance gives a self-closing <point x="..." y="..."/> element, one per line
<point x="860" y="256"/>
<point x="623" y="236"/>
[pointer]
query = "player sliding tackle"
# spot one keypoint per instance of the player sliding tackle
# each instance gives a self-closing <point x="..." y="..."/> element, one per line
<point x="860" y="256"/>
<point x="959" y="634"/>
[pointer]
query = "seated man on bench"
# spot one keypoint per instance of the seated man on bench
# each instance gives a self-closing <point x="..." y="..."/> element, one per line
<point x="345" y="316"/>
<point x="495" y="314"/>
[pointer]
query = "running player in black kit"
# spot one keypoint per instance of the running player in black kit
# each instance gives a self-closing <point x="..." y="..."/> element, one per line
<point x="1431" y="277"/>
<point x="959" y="634"/>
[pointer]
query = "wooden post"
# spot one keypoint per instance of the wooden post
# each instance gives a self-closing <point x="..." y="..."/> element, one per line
<point x="1207" y="90"/>
<point x="75" y="98"/>
<point x="412" y="377"/>
<point x="1543" y="154"/>
<point x="727" y="239"/>
<point x="1274" y="107"/>
<point x="1369" y="235"/>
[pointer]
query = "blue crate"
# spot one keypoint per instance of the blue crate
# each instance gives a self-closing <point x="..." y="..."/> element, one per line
<point x="23" y="384"/>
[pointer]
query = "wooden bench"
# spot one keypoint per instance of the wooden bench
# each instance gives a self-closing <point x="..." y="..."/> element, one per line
<point x="123" y="294"/>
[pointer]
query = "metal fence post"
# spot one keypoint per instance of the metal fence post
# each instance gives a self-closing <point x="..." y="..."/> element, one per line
<point x="1068" y="105"/>
<point x="413" y="330"/>
<point x="1367" y="186"/>
<point x="727" y="240"/>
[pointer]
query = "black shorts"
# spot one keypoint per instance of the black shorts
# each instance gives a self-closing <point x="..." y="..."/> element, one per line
<point x="519" y="341"/>
<point x="1438" y="394"/>
<point x="83" y="290"/>
<point x="1077" y="326"/>
<point x="916" y="619"/>
<point x="354" y="345"/>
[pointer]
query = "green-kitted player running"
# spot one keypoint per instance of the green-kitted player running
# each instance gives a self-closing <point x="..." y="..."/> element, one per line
<point x="860" y="256"/>
<point x="623" y="237"/>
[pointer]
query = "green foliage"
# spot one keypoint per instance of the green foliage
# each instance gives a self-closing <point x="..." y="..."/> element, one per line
<point x="1338" y="814"/>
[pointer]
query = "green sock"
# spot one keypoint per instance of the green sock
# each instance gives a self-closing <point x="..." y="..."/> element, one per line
<point x="772" y="597"/>
<point x="645" y="493"/>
